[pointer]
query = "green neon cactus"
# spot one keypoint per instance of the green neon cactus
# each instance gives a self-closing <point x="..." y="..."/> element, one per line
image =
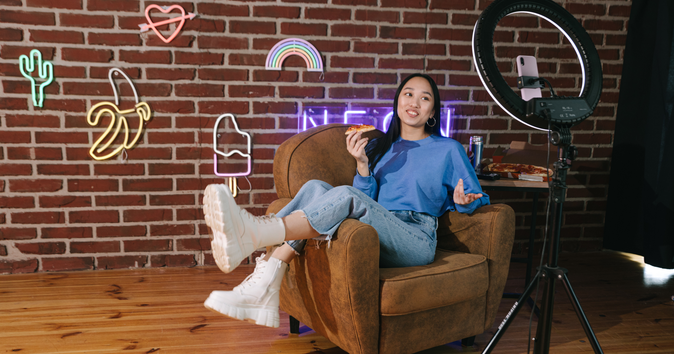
<point x="45" y="71"/>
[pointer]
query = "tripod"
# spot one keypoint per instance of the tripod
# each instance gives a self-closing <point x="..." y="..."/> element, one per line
<point x="551" y="272"/>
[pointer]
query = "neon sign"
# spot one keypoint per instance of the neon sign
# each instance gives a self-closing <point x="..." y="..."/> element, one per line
<point x="45" y="69"/>
<point x="380" y="117"/>
<point x="247" y="155"/>
<point x="294" y="46"/>
<point x="165" y="9"/>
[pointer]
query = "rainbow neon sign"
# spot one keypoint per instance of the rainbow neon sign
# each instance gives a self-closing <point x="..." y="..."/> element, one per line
<point x="380" y="117"/>
<point x="294" y="46"/>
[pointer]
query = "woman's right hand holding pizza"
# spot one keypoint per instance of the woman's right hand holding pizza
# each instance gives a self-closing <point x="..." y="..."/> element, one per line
<point x="355" y="144"/>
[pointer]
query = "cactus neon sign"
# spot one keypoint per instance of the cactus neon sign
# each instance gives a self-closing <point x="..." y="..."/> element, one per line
<point x="380" y="117"/>
<point x="45" y="70"/>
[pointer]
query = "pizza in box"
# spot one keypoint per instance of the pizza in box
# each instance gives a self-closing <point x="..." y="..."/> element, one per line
<point x="520" y="171"/>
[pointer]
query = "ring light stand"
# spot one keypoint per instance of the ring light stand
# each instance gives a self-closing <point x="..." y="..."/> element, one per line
<point x="560" y="113"/>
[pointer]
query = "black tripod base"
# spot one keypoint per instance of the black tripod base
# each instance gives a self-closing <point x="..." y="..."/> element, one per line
<point x="542" y="341"/>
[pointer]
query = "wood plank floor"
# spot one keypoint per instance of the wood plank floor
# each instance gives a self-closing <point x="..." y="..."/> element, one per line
<point x="161" y="311"/>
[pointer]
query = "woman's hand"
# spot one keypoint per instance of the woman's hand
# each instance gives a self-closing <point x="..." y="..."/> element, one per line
<point x="356" y="147"/>
<point x="461" y="198"/>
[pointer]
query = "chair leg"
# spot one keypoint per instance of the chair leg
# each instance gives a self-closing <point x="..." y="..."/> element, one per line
<point x="468" y="342"/>
<point x="295" y="325"/>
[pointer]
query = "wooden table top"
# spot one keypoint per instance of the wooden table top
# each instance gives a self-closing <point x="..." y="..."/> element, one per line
<point x="508" y="184"/>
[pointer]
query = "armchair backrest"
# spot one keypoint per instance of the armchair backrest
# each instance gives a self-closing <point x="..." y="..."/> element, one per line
<point x="317" y="153"/>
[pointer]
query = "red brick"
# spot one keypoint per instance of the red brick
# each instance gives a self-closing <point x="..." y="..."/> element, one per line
<point x="145" y="57"/>
<point x="301" y="92"/>
<point x="175" y="199"/>
<point x="170" y="74"/>
<point x="11" y="233"/>
<point x="216" y="9"/>
<point x="61" y="4"/>
<point x="51" y="36"/>
<point x="538" y="37"/>
<point x="194" y="244"/>
<point x="114" y="39"/>
<point x="250" y="91"/>
<point x="13" y="104"/>
<point x="117" y="5"/>
<point x="190" y="214"/>
<point x="67" y="201"/>
<point x="171" y="230"/>
<point x="402" y="32"/>
<point x="16" y="202"/>
<point x="86" y="21"/>
<point x="13" y="52"/>
<point x="46" y="217"/>
<point x="70" y="263"/>
<point x="11" y="35"/>
<point x="148" y="245"/>
<point x="304" y="29"/>
<point x="3" y="251"/>
<point x="15" y="169"/>
<point x="119" y="169"/>
<point x="376" y="47"/>
<point x="453" y="5"/>
<point x="199" y="90"/>
<point x="177" y="260"/>
<point x="35" y="185"/>
<point x="449" y="64"/>
<point x="172" y="107"/>
<point x="385" y="63"/>
<point x="618" y="10"/>
<point x="221" y="42"/>
<point x="351" y="62"/>
<point x="276" y="11"/>
<point x="66" y="232"/>
<point x="27" y="17"/>
<point x="120" y="200"/>
<point x="586" y="9"/>
<point x="94" y="216"/>
<point x="247" y="59"/>
<point x="16" y="267"/>
<point x="355" y="2"/>
<point x="351" y="92"/>
<point x="603" y="25"/>
<point x="355" y="31"/>
<point x="42" y="247"/>
<point x="223" y="74"/>
<point x="252" y="27"/>
<point x="327" y="14"/>
<point x="199" y="58"/>
<point x="467" y="19"/>
<point x="203" y="25"/>
<point x="274" y="107"/>
<point x="90" y="55"/>
<point x="413" y="4"/>
<point x="61" y="137"/>
<point x="374" y="78"/>
<point x="146" y="185"/>
<point x="275" y="76"/>
<point x="425" y="18"/>
<point x="121" y="262"/>
<point x="424" y="49"/>
<point x="92" y="185"/>
<point x="94" y="247"/>
<point x="377" y="16"/>
<point x="121" y="231"/>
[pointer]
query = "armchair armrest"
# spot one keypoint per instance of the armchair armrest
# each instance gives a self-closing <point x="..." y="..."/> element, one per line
<point x="335" y="290"/>
<point x="489" y="231"/>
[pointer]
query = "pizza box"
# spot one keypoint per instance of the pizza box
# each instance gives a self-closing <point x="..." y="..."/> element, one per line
<point x="521" y="152"/>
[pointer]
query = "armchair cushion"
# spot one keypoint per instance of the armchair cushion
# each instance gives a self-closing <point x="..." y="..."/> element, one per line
<point x="453" y="277"/>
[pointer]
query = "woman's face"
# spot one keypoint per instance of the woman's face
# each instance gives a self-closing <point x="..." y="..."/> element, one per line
<point x="415" y="103"/>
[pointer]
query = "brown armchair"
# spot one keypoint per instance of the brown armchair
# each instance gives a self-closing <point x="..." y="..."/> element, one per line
<point x="340" y="292"/>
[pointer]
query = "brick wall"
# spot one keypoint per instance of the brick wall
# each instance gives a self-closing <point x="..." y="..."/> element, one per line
<point x="62" y="210"/>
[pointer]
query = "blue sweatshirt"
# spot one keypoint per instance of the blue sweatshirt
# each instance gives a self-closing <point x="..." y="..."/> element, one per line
<point x="421" y="175"/>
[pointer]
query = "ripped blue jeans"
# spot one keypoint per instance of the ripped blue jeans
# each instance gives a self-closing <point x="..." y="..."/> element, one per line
<point x="406" y="238"/>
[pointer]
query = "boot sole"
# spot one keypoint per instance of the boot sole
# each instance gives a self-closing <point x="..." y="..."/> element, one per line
<point x="228" y="250"/>
<point x="259" y="315"/>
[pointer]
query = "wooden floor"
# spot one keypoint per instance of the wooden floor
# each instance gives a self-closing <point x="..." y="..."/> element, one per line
<point x="161" y="311"/>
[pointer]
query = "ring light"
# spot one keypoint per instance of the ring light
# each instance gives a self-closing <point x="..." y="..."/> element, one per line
<point x="498" y="88"/>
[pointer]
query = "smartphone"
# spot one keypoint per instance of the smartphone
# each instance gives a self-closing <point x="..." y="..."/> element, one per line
<point x="526" y="66"/>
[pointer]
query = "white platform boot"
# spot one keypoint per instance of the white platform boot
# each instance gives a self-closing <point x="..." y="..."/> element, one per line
<point x="256" y="299"/>
<point x="236" y="232"/>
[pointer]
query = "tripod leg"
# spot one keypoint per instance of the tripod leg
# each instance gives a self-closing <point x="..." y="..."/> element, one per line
<point x="581" y="315"/>
<point x="511" y="315"/>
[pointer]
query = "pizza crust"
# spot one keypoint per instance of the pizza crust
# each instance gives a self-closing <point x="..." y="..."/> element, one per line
<point x="360" y="127"/>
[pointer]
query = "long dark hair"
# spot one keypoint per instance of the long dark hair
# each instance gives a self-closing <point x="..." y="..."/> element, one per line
<point x="378" y="147"/>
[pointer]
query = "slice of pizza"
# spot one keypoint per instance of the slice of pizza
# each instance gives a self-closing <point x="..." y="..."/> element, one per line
<point x="504" y="167"/>
<point x="360" y="128"/>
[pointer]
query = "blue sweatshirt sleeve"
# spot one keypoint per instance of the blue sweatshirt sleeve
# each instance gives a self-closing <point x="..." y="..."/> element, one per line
<point x="462" y="169"/>
<point x="367" y="185"/>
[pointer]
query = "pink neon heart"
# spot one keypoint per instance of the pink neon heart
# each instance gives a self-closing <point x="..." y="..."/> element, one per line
<point x="168" y="10"/>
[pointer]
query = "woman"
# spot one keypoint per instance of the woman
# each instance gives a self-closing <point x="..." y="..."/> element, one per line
<point x="389" y="193"/>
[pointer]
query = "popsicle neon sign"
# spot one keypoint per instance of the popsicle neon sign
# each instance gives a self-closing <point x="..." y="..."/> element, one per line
<point x="380" y="117"/>
<point x="247" y="155"/>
